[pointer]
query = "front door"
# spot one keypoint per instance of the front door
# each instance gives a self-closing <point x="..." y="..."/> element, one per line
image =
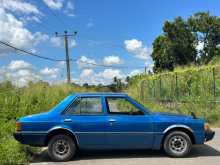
<point x="86" y="118"/>
<point x="130" y="127"/>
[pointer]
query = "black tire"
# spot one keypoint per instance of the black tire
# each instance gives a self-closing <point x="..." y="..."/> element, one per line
<point x="177" y="144"/>
<point x="61" y="148"/>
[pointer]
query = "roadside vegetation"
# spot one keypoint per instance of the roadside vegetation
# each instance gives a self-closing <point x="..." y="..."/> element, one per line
<point x="16" y="102"/>
<point x="184" y="90"/>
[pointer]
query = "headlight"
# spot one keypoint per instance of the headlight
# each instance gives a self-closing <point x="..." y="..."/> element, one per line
<point x="206" y="126"/>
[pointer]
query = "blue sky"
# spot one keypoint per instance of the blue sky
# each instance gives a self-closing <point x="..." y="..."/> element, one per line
<point x="110" y="32"/>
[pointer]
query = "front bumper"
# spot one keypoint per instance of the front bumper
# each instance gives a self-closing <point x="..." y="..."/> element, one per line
<point x="209" y="135"/>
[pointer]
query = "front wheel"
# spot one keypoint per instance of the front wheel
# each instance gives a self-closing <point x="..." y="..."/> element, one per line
<point x="177" y="144"/>
<point x="61" y="148"/>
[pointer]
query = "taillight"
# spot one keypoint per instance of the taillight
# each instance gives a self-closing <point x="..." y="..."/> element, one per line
<point x="18" y="126"/>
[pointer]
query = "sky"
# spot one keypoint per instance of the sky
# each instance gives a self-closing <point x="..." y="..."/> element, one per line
<point x="116" y="33"/>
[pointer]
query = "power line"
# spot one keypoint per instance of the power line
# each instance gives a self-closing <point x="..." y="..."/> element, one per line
<point x="28" y="52"/>
<point x="72" y="60"/>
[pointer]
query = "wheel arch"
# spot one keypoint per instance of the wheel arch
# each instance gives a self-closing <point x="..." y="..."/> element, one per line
<point x="182" y="128"/>
<point x="61" y="130"/>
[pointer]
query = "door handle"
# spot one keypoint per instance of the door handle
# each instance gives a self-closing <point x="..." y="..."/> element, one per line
<point x="112" y="120"/>
<point x="67" y="120"/>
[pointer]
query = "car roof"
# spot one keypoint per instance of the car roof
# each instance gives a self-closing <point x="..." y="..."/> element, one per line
<point x="101" y="94"/>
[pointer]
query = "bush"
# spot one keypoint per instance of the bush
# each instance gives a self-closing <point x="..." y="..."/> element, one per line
<point x="17" y="102"/>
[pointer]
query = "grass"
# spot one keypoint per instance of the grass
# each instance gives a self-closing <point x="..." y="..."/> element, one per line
<point x="17" y="102"/>
<point x="185" y="90"/>
<point x="160" y="92"/>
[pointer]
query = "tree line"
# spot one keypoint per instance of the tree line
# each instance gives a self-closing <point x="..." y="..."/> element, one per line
<point x="195" y="40"/>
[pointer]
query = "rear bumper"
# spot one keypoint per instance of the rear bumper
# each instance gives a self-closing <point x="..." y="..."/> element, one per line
<point x="209" y="135"/>
<point x="32" y="139"/>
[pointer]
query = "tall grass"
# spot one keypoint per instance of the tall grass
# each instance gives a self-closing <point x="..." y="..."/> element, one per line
<point x="185" y="90"/>
<point x="159" y="92"/>
<point x="17" y="102"/>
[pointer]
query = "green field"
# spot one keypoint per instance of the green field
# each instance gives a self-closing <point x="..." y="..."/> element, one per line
<point x="182" y="91"/>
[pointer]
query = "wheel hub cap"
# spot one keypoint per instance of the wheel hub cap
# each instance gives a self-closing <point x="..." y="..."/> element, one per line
<point x="61" y="147"/>
<point x="177" y="144"/>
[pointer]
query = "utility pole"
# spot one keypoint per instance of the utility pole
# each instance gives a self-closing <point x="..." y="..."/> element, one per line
<point x="66" y="35"/>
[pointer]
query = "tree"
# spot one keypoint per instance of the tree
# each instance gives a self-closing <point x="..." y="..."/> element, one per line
<point x="86" y="85"/>
<point x="175" y="47"/>
<point x="161" y="56"/>
<point x="127" y="79"/>
<point x="206" y="30"/>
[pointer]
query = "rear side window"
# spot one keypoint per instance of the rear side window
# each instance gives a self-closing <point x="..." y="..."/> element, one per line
<point x="85" y="106"/>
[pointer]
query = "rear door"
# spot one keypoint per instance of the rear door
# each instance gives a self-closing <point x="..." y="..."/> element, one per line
<point x="129" y="126"/>
<point x="86" y="118"/>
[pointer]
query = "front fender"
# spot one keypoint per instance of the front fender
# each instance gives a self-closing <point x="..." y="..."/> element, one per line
<point x="177" y="126"/>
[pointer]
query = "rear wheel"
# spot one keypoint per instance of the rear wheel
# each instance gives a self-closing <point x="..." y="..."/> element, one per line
<point x="61" y="148"/>
<point x="177" y="144"/>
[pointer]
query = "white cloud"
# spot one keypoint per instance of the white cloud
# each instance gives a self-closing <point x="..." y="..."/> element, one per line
<point x="13" y="31"/>
<point x="50" y="72"/>
<point x="133" y="44"/>
<point x="27" y="19"/>
<point x="85" y="62"/>
<point x="137" y="48"/>
<point x="86" y="73"/>
<point x="19" y="64"/>
<point x="59" y="42"/>
<point x="111" y="73"/>
<point x="56" y="41"/>
<point x="103" y="77"/>
<point x="54" y="4"/>
<point x="110" y="60"/>
<point x="19" y="73"/>
<point x="61" y="64"/>
<point x="19" y="6"/>
<point x="135" y="72"/>
<point x="72" y="43"/>
<point x="39" y="37"/>
<point x="69" y="10"/>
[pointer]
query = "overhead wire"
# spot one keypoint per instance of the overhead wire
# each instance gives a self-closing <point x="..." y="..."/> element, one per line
<point x="29" y="53"/>
<point x="58" y="60"/>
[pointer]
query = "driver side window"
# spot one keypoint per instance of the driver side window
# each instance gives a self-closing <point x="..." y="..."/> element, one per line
<point x="119" y="105"/>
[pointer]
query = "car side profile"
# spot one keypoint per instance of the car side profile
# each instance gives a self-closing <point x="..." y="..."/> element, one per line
<point x="99" y="121"/>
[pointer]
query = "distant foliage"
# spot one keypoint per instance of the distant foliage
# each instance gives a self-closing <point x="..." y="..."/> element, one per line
<point x="184" y="42"/>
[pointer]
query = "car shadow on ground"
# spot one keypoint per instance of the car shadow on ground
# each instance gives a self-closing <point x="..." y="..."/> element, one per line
<point x="197" y="151"/>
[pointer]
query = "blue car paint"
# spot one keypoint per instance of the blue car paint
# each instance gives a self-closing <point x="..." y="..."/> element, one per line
<point x="97" y="132"/>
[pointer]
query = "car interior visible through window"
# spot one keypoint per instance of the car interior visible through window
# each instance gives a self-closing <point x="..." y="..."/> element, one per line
<point x="85" y="106"/>
<point x="119" y="105"/>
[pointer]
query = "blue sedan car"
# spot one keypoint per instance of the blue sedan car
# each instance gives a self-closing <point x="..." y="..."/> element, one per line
<point x="109" y="121"/>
